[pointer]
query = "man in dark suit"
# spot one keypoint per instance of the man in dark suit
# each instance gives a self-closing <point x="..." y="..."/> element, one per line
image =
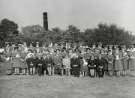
<point x="40" y="65"/>
<point x="48" y="65"/>
<point x="75" y="66"/>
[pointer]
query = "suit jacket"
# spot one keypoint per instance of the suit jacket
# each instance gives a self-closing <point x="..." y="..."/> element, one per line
<point x="75" y="61"/>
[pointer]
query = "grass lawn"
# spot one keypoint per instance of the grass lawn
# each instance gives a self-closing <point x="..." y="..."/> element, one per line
<point x="66" y="87"/>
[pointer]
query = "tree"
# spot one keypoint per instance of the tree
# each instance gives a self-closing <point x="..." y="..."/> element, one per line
<point x="33" y="33"/>
<point x="8" y="30"/>
<point x="110" y="34"/>
<point x="87" y="36"/>
<point x="73" y="33"/>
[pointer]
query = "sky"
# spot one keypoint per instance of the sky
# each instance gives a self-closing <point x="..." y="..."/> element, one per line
<point x="81" y="13"/>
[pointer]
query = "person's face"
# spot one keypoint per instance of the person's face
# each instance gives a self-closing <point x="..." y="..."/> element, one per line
<point x="48" y="56"/>
<point x="102" y="52"/>
<point x="58" y="52"/>
<point x="44" y="56"/>
<point x="92" y="57"/>
<point x="109" y="52"/>
<point x="93" y="46"/>
<point x="117" y="51"/>
<point x="39" y="57"/>
<point x="88" y="51"/>
<point x="99" y="57"/>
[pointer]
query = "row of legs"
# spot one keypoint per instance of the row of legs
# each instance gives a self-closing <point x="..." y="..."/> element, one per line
<point x="76" y="72"/>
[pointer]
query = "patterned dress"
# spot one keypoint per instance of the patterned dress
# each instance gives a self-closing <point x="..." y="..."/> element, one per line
<point x="132" y="60"/>
<point x="57" y="61"/>
<point x="66" y="62"/>
<point x="124" y="60"/>
<point x="117" y="62"/>
<point x="110" y="62"/>
<point x="18" y="62"/>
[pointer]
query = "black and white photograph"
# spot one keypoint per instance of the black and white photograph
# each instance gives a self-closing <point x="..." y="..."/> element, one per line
<point x="67" y="49"/>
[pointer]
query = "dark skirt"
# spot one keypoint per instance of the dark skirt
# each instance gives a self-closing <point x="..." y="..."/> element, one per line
<point x="76" y="71"/>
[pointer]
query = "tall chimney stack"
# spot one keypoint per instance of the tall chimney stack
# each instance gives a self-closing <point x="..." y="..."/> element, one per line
<point x="45" y="21"/>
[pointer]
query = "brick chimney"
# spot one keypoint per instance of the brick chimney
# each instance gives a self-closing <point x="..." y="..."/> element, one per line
<point x="45" y="21"/>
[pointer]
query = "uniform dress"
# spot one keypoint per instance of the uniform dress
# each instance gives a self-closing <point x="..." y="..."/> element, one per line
<point x="110" y="62"/>
<point x="58" y="63"/>
<point x="9" y="65"/>
<point x="84" y="66"/>
<point x="104" y="58"/>
<point x="24" y="65"/>
<point x="117" y="62"/>
<point x="17" y="64"/>
<point x="67" y="65"/>
<point x="124" y="61"/>
<point x="132" y="61"/>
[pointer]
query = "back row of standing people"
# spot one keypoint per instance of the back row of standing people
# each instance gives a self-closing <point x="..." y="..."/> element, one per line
<point x="88" y="61"/>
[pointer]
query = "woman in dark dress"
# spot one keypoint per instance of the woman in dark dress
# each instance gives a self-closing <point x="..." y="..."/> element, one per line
<point x="92" y="66"/>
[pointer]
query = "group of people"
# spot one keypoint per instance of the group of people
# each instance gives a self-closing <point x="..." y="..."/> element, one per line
<point x="94" y="61"/>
